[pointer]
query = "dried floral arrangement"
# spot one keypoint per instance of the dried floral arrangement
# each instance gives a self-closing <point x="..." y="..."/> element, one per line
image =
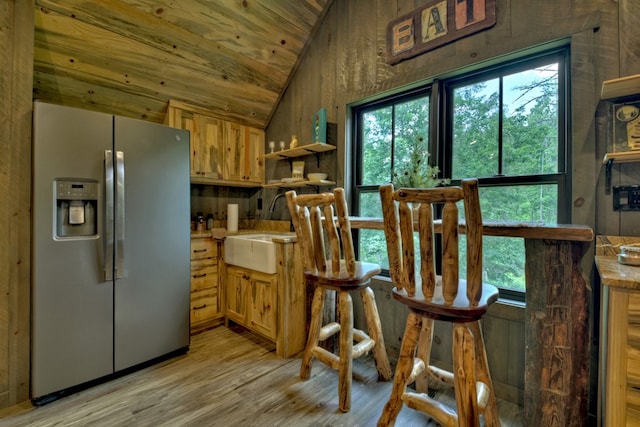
<point x="415" y="171"/>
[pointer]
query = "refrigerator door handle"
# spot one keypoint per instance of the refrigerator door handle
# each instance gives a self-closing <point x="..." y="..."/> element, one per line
<point x="108" y="215"/>
<point x="119" y="212"/>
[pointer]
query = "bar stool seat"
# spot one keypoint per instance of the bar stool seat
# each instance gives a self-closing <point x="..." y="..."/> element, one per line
<point x="333" y="268"/>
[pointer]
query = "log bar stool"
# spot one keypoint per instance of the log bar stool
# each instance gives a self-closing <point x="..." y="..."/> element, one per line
<point x="336" y="274"/>
<point x="441" y="298"/>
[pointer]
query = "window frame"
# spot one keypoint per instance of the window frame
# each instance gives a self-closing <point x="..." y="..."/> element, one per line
<point x="440" y="92"/>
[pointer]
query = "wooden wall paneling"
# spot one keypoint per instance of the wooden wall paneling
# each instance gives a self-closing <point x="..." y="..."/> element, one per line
<point x="6" y="44"/>
<point x="515" y="379"/>
<point x="10" y="153"/>
<point x="239" y="48"/>
<point x="405" y="6"/>
<point x="171" y="75"/>
<point x="628" y="33"/>
<point x="506" y="355"/>
<point x="342" y="39"/>
<point x="504" y="341"/>
<point x="629" y="22"/>
<point x="16" y="42"/>
<point x="607" y="221"/>
<point x="109" y="100"/>
<point x="362" y="45"/>
<point x="384" y="11"/>
<point x="630" y="220"/>
<point x="607" y="48"/>
<point x="584" y="97"/>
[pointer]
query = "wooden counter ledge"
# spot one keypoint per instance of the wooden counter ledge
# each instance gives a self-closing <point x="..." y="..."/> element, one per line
<point x="576" y="233"/>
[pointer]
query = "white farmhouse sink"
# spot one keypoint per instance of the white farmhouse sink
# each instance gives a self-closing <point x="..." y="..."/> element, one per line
<point x="253" y="251"/>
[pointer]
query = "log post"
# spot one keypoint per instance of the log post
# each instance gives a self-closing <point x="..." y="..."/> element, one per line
<point x="557" y="335"/>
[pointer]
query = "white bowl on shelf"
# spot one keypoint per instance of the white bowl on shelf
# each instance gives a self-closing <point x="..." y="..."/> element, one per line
<point x="317" y="176"/>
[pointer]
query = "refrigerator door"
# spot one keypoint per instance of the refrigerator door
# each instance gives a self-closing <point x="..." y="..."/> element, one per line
<point x="152" y="243"/>
<point x="72" y="305"/>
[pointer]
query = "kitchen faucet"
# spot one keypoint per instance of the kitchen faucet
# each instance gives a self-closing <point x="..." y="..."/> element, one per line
<point x="273" y="203"/>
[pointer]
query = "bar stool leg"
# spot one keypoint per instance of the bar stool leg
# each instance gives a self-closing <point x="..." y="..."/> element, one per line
<point x="464" y="376"/>
<point x="491" y="417"/>
<point x="375" y="332"/>
<point x="345" y="308"/>
<point x="314" y="332"/>
<point x="424" y="352"/>
<point x="403" y="370"/>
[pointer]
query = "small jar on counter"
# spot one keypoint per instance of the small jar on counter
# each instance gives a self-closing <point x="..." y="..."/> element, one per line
<point x="200" y="224"/>
<point x="209" y="221"/>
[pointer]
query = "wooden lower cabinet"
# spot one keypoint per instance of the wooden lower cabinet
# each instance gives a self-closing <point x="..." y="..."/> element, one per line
<point x="236" y="289"/>
<point x="621" y="385"/>
<point x="205" y="296"/>
<point x="252" y="300"/>
<point x="272" y="305"/>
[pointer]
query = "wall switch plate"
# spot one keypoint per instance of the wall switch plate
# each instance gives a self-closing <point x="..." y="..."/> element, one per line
<point x="626" y="198"/>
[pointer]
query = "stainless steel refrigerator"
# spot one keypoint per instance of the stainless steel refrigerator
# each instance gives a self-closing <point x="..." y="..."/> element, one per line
<point x="110" y="267"/>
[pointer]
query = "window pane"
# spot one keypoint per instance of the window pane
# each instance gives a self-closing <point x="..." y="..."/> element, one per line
<point x="530" y="128"/>
<point x="502" y="261"/>
<point x="376" y="146"/>
<point x="475" y="130"/>
<point x="372" y="243"/>
<point x="532" y="203"/>
<point x="373" y="248"/>
<point x="370" y="205"/>
<point x="411" y="143"/>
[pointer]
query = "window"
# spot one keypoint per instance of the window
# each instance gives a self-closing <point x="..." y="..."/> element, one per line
<point x="505" y="125"/>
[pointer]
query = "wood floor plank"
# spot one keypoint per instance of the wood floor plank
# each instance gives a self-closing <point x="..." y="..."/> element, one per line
<point x="229" y="377"/>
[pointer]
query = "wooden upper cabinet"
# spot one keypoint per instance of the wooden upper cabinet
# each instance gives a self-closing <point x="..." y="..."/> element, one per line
<point x="207" y="151"/>
<point x="222" y="152"/>
<point x="244" y="148"/>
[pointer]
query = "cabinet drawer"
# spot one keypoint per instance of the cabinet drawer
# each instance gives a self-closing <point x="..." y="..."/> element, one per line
<point x="203" y="248"/>
<point x="204" y="305"/>
<point x="198" y="264"/>
<point x="204" y="278"/>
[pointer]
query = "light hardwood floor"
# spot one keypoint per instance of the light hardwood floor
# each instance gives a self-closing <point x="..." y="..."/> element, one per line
<point x="229" y="377"/>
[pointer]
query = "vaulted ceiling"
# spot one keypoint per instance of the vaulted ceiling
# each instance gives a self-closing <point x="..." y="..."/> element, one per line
<point x="129" y="57"/>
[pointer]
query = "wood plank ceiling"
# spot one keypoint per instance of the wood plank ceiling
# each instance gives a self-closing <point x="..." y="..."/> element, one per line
<point x="129" y="57"/>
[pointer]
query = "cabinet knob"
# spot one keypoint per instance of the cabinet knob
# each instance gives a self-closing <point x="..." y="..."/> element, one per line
<point x="200" y="307"/>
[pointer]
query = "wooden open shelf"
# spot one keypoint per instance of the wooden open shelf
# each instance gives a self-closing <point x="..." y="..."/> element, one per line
<point x="298" y="184"/>
<point x="303" y="150"/>
<point x="620" y="157"/>
<point x="618" y="88"/>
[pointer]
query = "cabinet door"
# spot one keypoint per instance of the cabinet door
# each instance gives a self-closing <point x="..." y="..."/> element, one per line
<point x="254" y="151"/>
<point x="236" y="290"/>
<point x="244" y="147"/>
<point x="234" y="149"/>
<point x="262" y="305"/>
<point x="208" y="150"/>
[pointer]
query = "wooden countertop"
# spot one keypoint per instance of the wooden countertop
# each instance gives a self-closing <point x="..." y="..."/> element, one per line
<point x="612" y="273"/>
<point x="221" y="234"/>
<point x="580" y="233"/>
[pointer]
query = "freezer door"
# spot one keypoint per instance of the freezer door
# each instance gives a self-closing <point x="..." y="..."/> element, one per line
<point x="72" y="304"/>
<point x="152" y="242"/>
